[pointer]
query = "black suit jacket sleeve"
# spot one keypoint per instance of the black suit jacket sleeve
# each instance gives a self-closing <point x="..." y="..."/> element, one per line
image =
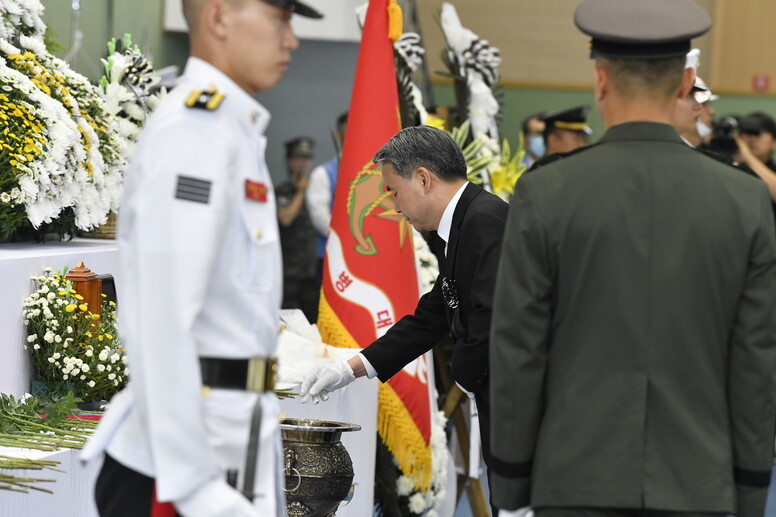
<point x="412" y="336"/>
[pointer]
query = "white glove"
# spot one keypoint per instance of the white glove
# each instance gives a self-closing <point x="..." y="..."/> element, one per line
<point x="325" y="379"/>
<point x="520" y="512"/>
<point x="215" y="499"/>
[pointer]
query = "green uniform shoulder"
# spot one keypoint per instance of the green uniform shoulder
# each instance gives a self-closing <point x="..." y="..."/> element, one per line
<point x="722" y="158"/>
<point x="546" y="160"/>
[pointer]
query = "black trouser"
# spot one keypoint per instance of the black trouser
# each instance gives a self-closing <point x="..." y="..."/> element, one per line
<point x="123" y="492"/>
<point x="618" y="512"/>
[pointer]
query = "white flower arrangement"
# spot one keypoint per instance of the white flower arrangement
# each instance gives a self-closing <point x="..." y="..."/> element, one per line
<point x="84" y="169"/>
<point x="428" y="503"/>
<point x="425" y="263"/>
<point x="38" y="165"/>
<point x="129" y="88"/>
<point x="21" y="17"/>
<point x="67" y="141"/>
<point x="72" y="348"/>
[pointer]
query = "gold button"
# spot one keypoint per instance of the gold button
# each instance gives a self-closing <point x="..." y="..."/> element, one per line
<point x="259" y="234"/>
<point x="254" y="117"/>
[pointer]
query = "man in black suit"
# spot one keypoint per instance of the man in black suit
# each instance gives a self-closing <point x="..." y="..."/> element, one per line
<point x="425" y="171"/>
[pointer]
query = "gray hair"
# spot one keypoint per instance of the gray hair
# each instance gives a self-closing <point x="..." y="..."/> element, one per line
<point x="423" y="146"/>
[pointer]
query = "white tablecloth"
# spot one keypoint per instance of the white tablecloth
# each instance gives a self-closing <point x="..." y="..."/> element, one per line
<point x="18" y="263"/>
<point x="73" y="489"/>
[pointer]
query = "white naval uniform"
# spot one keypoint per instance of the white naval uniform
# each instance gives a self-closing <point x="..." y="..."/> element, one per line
<point x="199" y="279"/>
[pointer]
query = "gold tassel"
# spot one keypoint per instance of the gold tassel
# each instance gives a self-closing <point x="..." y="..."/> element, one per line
<point x="398" y="431"/>
<point x="394" y="422"/>
<point x="395" y="21"/>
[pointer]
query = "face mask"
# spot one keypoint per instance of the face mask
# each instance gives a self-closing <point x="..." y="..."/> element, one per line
<point x="536" y="145"/>
<point x="703" y="129"/>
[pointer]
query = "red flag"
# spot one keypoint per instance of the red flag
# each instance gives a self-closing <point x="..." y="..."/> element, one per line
<point x="369" y="277"/>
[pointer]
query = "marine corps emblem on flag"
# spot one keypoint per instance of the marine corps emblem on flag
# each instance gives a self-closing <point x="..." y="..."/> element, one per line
<point x="367" y="194"/>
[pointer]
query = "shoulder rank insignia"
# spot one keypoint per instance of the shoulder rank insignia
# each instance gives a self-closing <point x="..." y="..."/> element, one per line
<point x="209" y="99"/>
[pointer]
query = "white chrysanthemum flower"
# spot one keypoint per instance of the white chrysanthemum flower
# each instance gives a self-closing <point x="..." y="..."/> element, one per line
<point x="111" y="376"/>
<point x="91" y="384"/>
<point x="404" y="486"/>
<point x="100" y="367"/>
<point x="114" y="358"/>
<point x="32" y="338"/>
<point x="103" y="355"/>
<point x="5" y="197"/>
<point x="36" y="347"/>
<point x="417" y="503"/>
<point x="48" y="337"/>
<point x="85" y="368"/>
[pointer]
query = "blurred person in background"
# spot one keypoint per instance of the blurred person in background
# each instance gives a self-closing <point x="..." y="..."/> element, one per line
<point x="567" y="130"/>
<point x="297" y="235"/>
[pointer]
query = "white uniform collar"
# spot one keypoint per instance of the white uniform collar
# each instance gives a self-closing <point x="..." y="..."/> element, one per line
<point x="245" y="107"/>
<point x="446" y="223"/>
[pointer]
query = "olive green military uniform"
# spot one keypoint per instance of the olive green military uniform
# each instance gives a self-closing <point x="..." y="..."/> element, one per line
<point x="632" y="351"/>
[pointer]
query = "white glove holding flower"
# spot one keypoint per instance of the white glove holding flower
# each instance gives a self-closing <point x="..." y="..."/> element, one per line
<point x="325" y="379"/>
<point x="216" y="499"/>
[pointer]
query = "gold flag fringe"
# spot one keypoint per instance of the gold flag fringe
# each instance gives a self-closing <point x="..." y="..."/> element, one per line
<point x="395" y="425"/>
<point x="398" y="431"/>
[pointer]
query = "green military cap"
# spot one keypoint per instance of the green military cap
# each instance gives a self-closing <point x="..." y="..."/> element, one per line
<point x="301" y="147"/>
<point x="296" y="8"/>
<point x="641" y="29"/>
<point x="572" y="119"/>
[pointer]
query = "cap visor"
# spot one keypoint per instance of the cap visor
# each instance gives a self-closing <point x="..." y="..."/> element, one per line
<point x="306" y="11"/>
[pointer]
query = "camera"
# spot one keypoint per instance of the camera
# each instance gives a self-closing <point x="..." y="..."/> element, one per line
<point x="722" y="140"/>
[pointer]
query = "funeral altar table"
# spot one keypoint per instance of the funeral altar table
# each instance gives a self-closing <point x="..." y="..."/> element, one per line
<point x="19" y="262"/>
<point x="74" y="489"/>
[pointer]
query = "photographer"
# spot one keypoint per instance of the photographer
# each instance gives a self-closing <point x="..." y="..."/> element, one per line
<point x="297" y="235"/>
<point x="756" y="141"/>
